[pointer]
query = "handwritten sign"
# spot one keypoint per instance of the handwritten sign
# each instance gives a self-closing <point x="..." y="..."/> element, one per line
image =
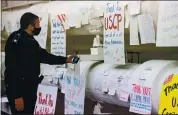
<point x="58" y="36"/>
<point x="169" y="96"/>
<point x="46" y="100"/>
<point x="42" y="37"/>
<point x="140" y="99"/>
<point x="167" y="28"/>
<point x="74" y="94"/>
<point x="114" y="33"/>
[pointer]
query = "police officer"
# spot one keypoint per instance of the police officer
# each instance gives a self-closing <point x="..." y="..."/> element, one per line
<point x="23" y="56"/>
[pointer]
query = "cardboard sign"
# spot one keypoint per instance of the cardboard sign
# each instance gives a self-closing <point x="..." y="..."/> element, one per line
<point x="46" y="100"/>
<point x="114" y="33"/>
<point x="169" y="96"/>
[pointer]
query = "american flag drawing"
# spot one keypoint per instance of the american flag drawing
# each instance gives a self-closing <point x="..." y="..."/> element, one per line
<point x="168" y="79"/>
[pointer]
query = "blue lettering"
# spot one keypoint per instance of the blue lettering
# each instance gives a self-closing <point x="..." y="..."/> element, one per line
<point x="146" y="100"/>
<point x="54" y="23"/>
<point x="77" y="113"/>
<point x="68" y="79"/>
<point x="76" y="81"/>
<point x="110" y="9"/>
<point x="116" y="42"/>
<point x="80" y="106"/>
<point x="73" y="104"/>
<point x="136" y="98"/>
<point x="54" y="31"/>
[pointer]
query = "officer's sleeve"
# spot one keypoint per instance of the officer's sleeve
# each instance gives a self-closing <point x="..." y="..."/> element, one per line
<point x="51" y="59"/>
<point x="15" y="62"/>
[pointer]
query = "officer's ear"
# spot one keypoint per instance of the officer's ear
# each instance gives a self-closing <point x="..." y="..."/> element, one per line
<point x="31" y="27"/>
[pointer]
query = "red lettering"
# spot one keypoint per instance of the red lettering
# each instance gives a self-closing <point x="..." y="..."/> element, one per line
<point x="110" y="22"/>
<point x="136" y="88"/>
<point x="146" y="91"/>
<point x="50" y="102"/>
<point x="43" y="111"/>
<point x="41" y="100"/>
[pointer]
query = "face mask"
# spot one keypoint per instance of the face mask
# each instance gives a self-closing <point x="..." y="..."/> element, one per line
<point x="36" y="31"/>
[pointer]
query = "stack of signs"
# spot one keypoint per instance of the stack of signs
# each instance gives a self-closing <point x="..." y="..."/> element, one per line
<point x="46" y="100"/>
<point x="114" y="33"/>
<point x="169" y="96"/>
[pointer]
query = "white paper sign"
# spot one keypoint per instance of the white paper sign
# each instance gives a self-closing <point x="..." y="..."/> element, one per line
<point x="167" y="28"/>
<point x="42" y="37"/>
<point x="146" y="28"/>
<point x="46" y="100"/>
<point x="58" y="36"/>
<point x="134" y="7"/>
<point x="74" y="20"/>
<point x="140" y="101"/>
<point x="134" y="40"/>
<point x="114" y="33"/>
<point x="74" y="93"/>
<point x="84" y="16"/>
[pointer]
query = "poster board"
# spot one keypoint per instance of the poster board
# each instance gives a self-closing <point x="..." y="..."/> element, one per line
<point x="169" y="96"/>
<point x="114" y="50"/>
<point x="46" y="100"/>
<point x="74" y="93"/>
<point x="58" y="36"/>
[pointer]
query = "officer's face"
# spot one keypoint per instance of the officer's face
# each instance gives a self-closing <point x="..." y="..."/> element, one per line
<point x="37" y="23"/>
<point x="35" y="27"/>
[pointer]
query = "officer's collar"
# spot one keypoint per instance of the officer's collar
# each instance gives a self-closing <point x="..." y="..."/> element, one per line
<point x="25" y="33"/>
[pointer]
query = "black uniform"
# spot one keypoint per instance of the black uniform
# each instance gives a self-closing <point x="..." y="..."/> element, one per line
<point x="23" y="56"/>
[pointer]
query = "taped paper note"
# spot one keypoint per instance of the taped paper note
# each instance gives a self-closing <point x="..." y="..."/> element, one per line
<point x="72" y="20"/>
<point x="84" y="16"/>
<point x="112" y="83"/>
<point x="104" y="86"/>
<point x="146" y="28"/>
<point x="167" y="28"/>
<point x="79" y="20"/>
<point x="134" y="40"/>
<point x="134" y="7"/>
<point x="112" y="90"/>
<point x="124" y="96"/>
